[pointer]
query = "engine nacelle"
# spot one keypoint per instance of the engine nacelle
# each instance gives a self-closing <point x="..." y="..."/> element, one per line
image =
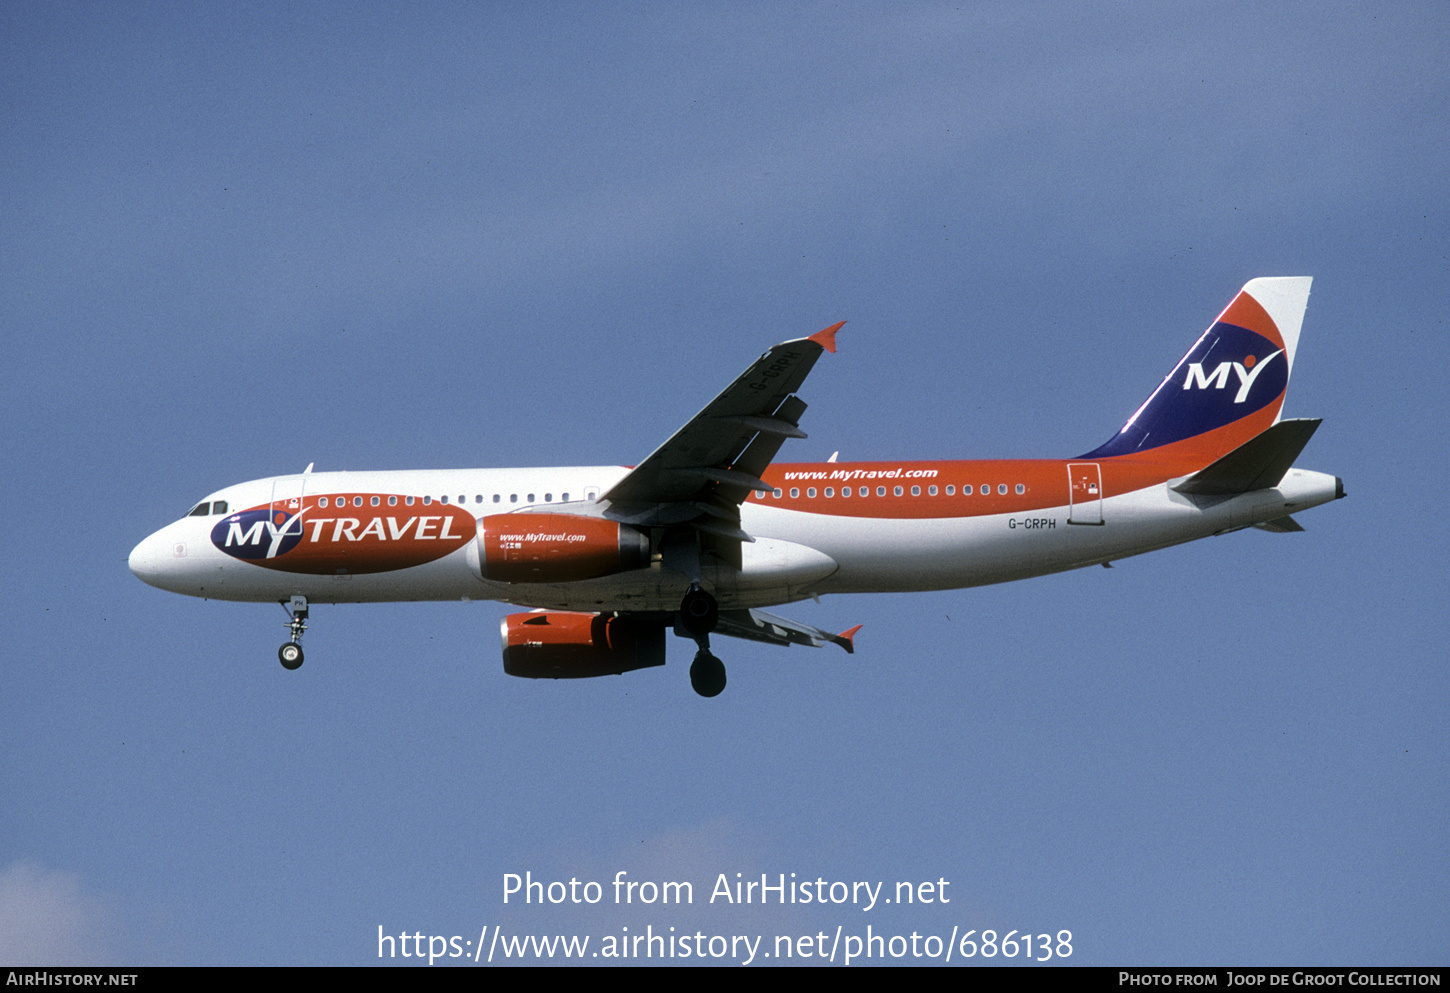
<point x="556" y="548"/>
<point x="566" y="645"/>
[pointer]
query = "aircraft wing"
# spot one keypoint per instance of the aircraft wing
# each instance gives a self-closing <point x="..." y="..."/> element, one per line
<point x="700" y="476"/>
<point x="757" y="625"/>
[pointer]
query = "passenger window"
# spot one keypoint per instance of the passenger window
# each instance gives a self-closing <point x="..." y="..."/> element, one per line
<point x="478" y="498"/>
<point x="1020" y="487"/>
<point x="564" y="497"/>
<point x="1001" y="489"/>
<point x="967" y="490"/>
<point x="531" y="498"/>
<point x="916" y="491"/>
<point x="548" y="498"/>
<point x="845" y="491"/>
<point x="392" y="501"/>
<point x="776" y="493"/>
<point x="357" y="501"/>
<point x="811" y="492"/>
<point x="952" y="491"/>
<point x="442" y="499"/>
<point x="463" y="498"/>
<point x="513" y="498"/>
<point x="830" y="491"/>
<point x="322" y="502"/>
<point x="880" y="491"/>
<point x="427" y="500"/>
<point x="896" y="491"/>
<point x="931" y="491"/>
<point x="375" y="501"/>
<point x="407" y="500"/>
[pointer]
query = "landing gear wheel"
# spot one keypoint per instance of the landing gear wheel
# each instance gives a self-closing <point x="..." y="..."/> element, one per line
<point x="290" y="655"/>
<point x="707" y="674"/>
<point x="699" y="613"/>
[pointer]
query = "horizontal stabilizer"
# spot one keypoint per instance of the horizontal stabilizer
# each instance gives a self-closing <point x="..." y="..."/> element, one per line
<point x="1280" y="525"/>
<point x="757" y="625"/>
<point x="1258" y="464"/>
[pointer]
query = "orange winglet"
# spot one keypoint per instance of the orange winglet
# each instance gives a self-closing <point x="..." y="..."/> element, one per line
<point x="850" y="635"/>
<point x="827" y="337"/>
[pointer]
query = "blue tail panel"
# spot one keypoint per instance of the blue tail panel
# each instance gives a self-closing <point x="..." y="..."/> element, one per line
<point x="1230" y="373"/>
<point x="1235" y="374"/>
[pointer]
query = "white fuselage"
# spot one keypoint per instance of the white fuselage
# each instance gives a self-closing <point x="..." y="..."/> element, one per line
<point x="900" y="536"/>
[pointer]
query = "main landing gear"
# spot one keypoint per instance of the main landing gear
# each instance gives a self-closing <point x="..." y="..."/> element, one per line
<point x="699" y="613"/>
<point x="290" y="654"/>
<point x="707" y="674"/>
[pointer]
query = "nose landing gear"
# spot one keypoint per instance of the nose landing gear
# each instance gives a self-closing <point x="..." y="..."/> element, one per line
<point x="290" y="654"/>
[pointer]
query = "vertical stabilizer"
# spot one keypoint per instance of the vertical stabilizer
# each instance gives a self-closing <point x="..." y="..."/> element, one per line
<point x="1230" y="386"/>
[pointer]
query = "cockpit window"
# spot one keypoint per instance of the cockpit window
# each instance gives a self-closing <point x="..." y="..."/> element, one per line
<point x="219" y="507"/>
<point x="200" y="510"/>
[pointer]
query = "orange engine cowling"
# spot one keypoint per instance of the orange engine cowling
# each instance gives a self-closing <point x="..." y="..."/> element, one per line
<point x="557" y="548"/>
<point x="566" y="645"/>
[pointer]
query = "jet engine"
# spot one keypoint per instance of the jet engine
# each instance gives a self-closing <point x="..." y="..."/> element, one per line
<point x="566" y="645"/>
<point x="556" y="548"/>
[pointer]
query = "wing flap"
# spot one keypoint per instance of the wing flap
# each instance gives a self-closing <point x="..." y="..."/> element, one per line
<point x="758" y="625"/>
<point x="1280" y="525"/>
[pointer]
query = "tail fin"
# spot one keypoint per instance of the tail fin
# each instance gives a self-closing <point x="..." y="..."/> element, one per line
<point x="1229" y="387"/>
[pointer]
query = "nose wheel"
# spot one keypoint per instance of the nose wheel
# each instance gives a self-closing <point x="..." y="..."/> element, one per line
<point x="290" y="654"/>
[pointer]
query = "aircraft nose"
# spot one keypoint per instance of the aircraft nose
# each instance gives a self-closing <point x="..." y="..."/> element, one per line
<point x="140" y="561"/>
<point x="149" y="559"/>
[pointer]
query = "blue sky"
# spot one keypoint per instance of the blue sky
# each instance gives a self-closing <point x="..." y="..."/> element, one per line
<point x="238" y="240"/>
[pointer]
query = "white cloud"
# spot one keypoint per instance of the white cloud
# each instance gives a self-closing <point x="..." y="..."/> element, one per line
<point x="48" y="918"/>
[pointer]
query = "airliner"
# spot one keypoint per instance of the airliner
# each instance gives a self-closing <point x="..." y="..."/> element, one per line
<point x="708" y="530"/>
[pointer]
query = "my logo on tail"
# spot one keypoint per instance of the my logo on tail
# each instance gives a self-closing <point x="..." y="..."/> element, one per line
<point x="1218" y="379"/>
<point x="1192" y="416"/>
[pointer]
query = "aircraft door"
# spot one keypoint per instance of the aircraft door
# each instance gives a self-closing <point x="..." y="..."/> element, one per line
<point x="1085" y="493"/>
<point x="287" y="495"/>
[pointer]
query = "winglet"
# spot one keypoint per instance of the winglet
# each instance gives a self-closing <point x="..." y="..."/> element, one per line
<point x="827" y="338"/>
<point x="846" y="639"/>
